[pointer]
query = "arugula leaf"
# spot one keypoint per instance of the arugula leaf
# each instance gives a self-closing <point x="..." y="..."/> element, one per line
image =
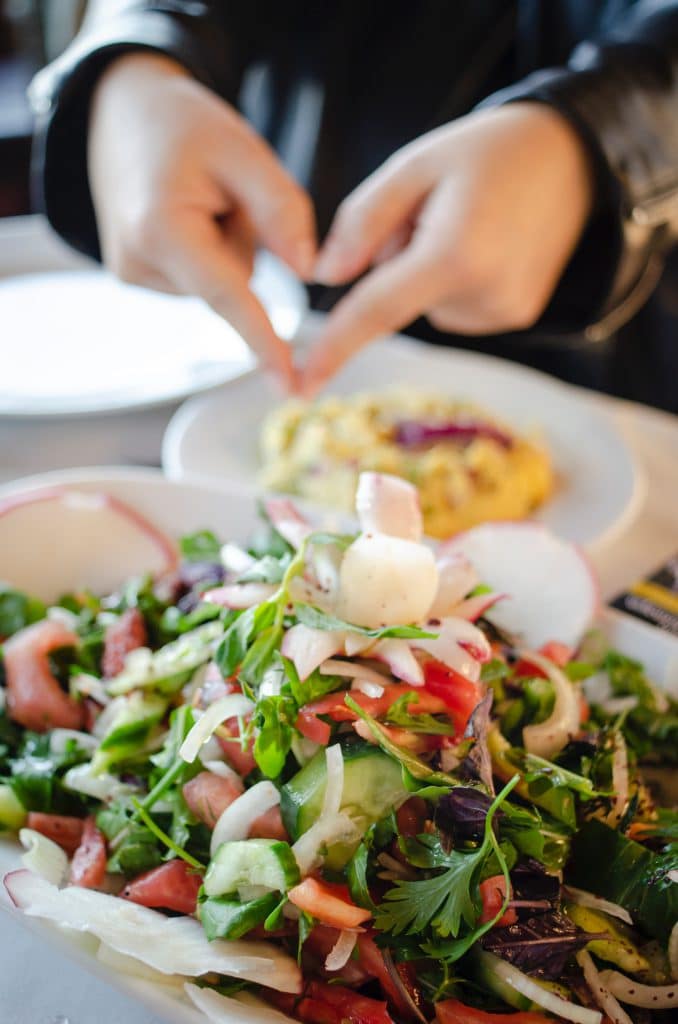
<point x="317" y="619"/>
<point x="546" y="840"/>
<point x="162" y="837"/>
<point x="399" y="714"/>
<point x="260" y="655"/>
<point x="37" y="773"/>
<point x="201" y="546"/>
<point x="275" y="718"/>
<point x="233" y="647"/>
<point x="18" y="610"/>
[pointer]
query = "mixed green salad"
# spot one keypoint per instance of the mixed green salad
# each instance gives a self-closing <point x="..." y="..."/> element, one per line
<point x="316" y="771"/>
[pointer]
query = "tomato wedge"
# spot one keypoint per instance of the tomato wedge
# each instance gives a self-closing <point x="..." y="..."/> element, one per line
<point x="556" y="652"/>
<point x="63" y="830"/>
<point x="242" y="761"/>
<point x="334" y="707"/>
<point x="208" y="795"/>
<point x="34" y="697"/>
<point x="88" y="867"/>
<point x="126" y="634"/>
<point x="459" y="695"/>
<point x="371" y="960"/>
<point x="492" y="893"/>
<point x="335" y="1004"/>
<point x="328" y="902"/>
<point x="451" y="1011"/>
<point x="172" y="886"/>
<point x="269" y="825"/>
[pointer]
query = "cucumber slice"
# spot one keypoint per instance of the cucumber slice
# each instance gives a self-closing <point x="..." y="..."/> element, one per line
<point x="132" y="719"/>
<point x="268" y="863"/>
<point x="224" y="918"/>
<point x="373" y="786"/>
<point x="12" y="811"/>
<point x="173" y="665"/>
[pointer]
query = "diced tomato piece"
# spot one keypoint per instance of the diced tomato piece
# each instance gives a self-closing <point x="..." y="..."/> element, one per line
<point x="88" y="867"/>
<point x="411" y="816"/>
<point x="126" y="634"/>
<point x="334" y="706"/>
<point x="208" y="795"/>
<point x="458" y="693"/>
<point x="34" y="697"/>
<point x="335" y="1004"/>
<point x="372" y="960"/>
<point x="242" y="761"/>
<point x="269" y="825"/>
<point x="556" y="652"/>
<point x="328" y="902"/>
<point x="65" y="831"/>
<point x="451" y="1011"/>
<point x="584" y="709"/>
<point x="312" y="727"/>
<point x="492" y="894"/>
<point x="172" y="886"/>
<point x="319" y="944"/>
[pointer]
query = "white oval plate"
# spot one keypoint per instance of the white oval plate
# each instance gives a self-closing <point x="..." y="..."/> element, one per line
<point x="599" y="488"/>
<point x="79" y="342"/>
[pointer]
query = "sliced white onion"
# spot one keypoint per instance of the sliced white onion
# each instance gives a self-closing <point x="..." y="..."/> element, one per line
<point x="386" y="581"/>
<point x="236" y="821"/>
<point x="44" y="857"/>
<point x="617" y="705"/>
<point x="587" y="899"/>
<point x="287" y="521"/>
<point x="86" y="685"/>
<point x="456" y="577"/>
<point x="231" y="706"/>
<point x="308" y="648"/>
<point x="672" y="952"/>
<point x="226" y="1010"/>
<point x="101" y="786"/>
<point x="60" y="738"/>
<point x="631" y="992"/>
<point x="234" y="559"/>
<point x="176" y="945"/>
<point x="388" y="504"/>
<point x="272" y="681"/>
<point x="352" y="670"/>
<point x="397" y="654"/>
<point x="549" y="737"/>
<point x="332" y="825"/>
<point x="123" y="964"/>
<point x="240" y="595"/>
<point x="357" y="643"/>
<point x="447" y="647"/>
<point x="543" y="997"/>
<point x="341" y="951"/>
<point x="368" y="687"/>
<point x="211" y="751"/>
<point x="334" y="789"/>
<point x="603" y="997"/>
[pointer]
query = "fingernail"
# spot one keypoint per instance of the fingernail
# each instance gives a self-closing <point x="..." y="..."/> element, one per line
<point x="304" y="257"/>
<point x="330" y="265"/>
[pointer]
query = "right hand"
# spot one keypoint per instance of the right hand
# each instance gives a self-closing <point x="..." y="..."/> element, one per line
<point x="184" y="190"/>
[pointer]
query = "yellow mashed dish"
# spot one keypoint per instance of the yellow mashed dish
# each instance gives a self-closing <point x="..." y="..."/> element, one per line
<point x="467" y="465"/>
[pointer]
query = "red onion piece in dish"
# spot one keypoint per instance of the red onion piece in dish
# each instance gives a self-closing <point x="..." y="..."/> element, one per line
<point x="417" y="433"/>
<point x="387" y="504"/>
<point x="287" y="520"/>
<point x="307" y="648"/>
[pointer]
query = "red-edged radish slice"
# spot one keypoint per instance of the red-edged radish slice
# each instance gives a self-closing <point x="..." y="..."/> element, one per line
<point x="456" y="578"/>
<point x="460" y="645"/>
<point x="77" y="539"/>
<point x="240" y="595"/>
<point x="386" y="581"/>
<point x="387" y="504"/>
<point x="473" y="607"/>
<point x="551" y="591"/>
<point x="287" y="520"/>
<point x="308" y="648"/>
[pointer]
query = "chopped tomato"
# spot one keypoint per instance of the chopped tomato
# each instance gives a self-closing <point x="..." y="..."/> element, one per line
<point x="328" y="902"/>
<point x="335" y="1004"/>
<point x="88" y="867"/>
<point x="492" y="894"/>
<point x="126" y="634"/>
<point x="451" y="1011"/>
<point x="458" y="693"/>
<point x="208" y="796"/>
<point x="372" y="960"/>
<point x="411" y="816"/>
<point x="556" y="652"/>
<point x="269" y="825"/>
<point x="63" y="830"/>
<point x="584" y="709"/>
<point x="320" y="943"/>
<point x="333" y="705"/>
<point x="34" y="697"/>
<point x="172" y="886"/>
<point x="228" y="735"/>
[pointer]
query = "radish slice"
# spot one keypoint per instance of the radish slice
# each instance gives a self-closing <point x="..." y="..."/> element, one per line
<point x="387" y="504"/>
<point x="456" y="577"/>
<point x="551" y="589"/>
<point x="460" y="645"/>
<point x="175" y="945"/>
<point x="240" y="595"/>
<point x="397" y="654"/>
<point x="231" y="706"/>
<point x="226" y="1010"/>
<point x="287" y="521"/>
<point x="78" y="539"/>
<point x="386" y="581"/>
<point x="44" y="857"/>
<point x="341" y="951"/>
<point x="631" y="992"/>
<point x="549" y="737"/>
<point x="236" y="820"/>
<point x="307" y="648"/>
<point x="473" y="607"/>
<point x="602" y="995"/>
<point x="325" y="560"/>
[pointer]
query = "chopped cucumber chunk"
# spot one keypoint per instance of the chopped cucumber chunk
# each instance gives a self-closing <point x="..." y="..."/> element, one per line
<point x="268" y="863"/>
<point x="168" y="669"/>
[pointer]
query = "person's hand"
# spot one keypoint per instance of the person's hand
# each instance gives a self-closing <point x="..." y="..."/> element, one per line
<point x="471" y="225"/>
<point x="184" y="189"/>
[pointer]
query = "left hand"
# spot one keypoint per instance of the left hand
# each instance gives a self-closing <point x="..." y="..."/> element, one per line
<point x="471" y="225"/>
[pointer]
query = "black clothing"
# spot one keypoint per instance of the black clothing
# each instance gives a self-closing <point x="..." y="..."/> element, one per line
<point x="338" y="86"/>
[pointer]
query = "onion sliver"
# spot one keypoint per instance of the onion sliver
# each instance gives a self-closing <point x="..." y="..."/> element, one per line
<point x="236" y="821"/>
<point x="175" y="945"/>
<point x="397" y="654"/>
<point x="366" y="686"/>
<point x="351" y="670"/>
<point x="652" y="997"/>
<point x="587" y="899"/>
<point x="235" y="559"/>
<point x="231" y="706"/>
<point x="341" y="951"/>
<point x="447" y="647"/>
<point x="549" y="737"/>
<point x="43" y="857"/>
<point x="240" y="595"/>
<point x="542" y="997"/>
<point x="601" y="995"/>
<point x="332" y="825"/>
<point x="307" y="648"/>
<point x="59" y="738"/>
<point x="81" y="779"/>
<point x="226" y="1010"/>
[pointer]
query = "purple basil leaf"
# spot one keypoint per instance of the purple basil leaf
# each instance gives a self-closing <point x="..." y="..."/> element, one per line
<point x="541" y="945"/>
<point x="460" y="815"/>
<point x="192" y="573"/>
<point x="532" y="884"/>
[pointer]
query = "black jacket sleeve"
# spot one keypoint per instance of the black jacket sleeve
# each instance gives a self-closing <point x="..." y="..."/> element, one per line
<point x="620" y="93"/>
